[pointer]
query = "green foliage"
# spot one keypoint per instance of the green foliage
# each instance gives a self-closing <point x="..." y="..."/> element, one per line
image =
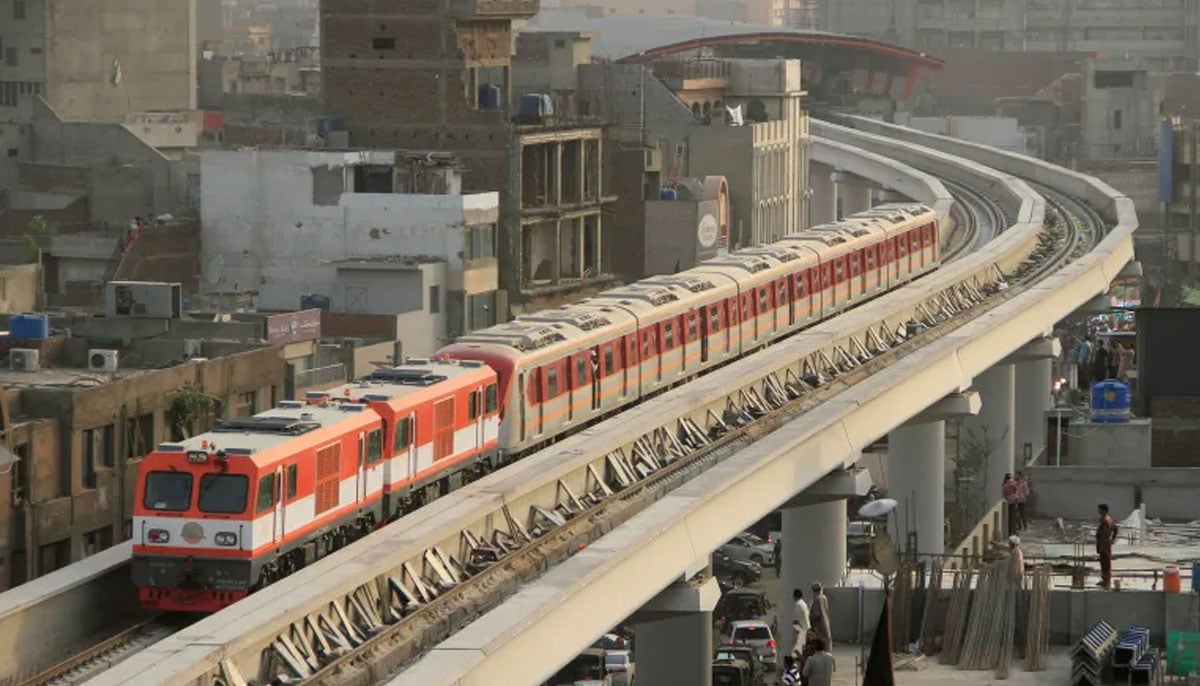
<point x="970" y="478"/>
<point x="37" y="228"/>
<point x="191" y="410"/>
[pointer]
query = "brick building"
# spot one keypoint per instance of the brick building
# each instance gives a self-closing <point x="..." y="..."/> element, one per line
<point x="432" y="74"/>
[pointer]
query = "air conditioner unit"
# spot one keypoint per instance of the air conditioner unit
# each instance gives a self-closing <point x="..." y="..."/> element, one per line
<point x="23" y="360"/>
<point x="191" y="348"/>
<point x="102" y="360"/>
<point x="652" y="160"/>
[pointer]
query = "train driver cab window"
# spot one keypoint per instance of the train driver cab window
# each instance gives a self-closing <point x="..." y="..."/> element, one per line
<point x="223" y="493"/>
<point x="375" y="446"/>
<point x="266" y="493"/>
<point x="473" y="405"/>
<point x="292" y="472"/>
<point x="168" y="491"/>
<point x="402" y="440"/>
<point x="490" y="399"/>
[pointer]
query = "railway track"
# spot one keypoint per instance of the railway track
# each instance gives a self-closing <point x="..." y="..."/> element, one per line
<point x="127" y="641"/>
<point x="380" y="657"/>
<point x="982" y="219"/>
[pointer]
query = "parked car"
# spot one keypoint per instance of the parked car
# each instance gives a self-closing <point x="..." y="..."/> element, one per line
<point x="747" y="546"/>
<point x="744" y="653"/>
<point x="732" y="673"/>
<point x="742" y="603"/>
<point x="769" y="528"/>
<point x="618" y="665"/>
<point x="756" y="634"/>
<point x="741" y="572"/>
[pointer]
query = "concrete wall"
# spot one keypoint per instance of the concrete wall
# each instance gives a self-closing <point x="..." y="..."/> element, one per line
<point x="1109" y="445"/>
<point x="20" y="288"/>
<point x="1074" y="492"/>
<point x="263" y="229"/>
<point x="153" y="42"/>
<point x="1072" y="613"/>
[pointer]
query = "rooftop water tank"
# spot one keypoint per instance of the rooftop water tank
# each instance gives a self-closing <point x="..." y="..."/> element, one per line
<point x="29" y="326"/>
<point x="1110" y="402"/>
<point x="667" y="194"/>
<point x="489" y="97"/>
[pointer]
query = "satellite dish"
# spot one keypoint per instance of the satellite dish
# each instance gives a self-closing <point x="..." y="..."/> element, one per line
<point x="883" y="555"/>
<point x="877" y="508"/>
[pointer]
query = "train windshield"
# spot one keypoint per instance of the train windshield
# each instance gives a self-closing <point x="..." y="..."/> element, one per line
<point x="223" y="493"/>
<point x="168" y="491"/>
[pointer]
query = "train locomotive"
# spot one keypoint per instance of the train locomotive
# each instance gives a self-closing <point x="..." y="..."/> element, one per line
<point x="226" y="512"/>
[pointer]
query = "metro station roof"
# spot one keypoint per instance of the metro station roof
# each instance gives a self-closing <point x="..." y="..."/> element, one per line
<point x="645" y="37"/>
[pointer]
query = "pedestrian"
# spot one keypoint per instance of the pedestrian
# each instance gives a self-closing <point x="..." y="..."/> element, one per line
<point x="1084" y="362"/>
<point x="1008" y="491"/>
<point x="801" y="622"/>
<point x="1016" y="559"/>
<point x="1124" y="362"/>
<point x="1023" y="490"/>
<point x="1100" y="361"/>
<point x="778" y="555"/>
<point x="791" y="673"/>
<point x="1106" y="535"/>
<point x="818" y="615"/>
<point x="819" y="668"/>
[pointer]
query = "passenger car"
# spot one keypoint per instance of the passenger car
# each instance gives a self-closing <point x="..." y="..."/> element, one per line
<point x="747" y="546"/>
<point x="756" y="634"/>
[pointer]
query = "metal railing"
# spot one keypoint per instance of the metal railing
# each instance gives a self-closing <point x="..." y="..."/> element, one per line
<point x="320" y="376"/>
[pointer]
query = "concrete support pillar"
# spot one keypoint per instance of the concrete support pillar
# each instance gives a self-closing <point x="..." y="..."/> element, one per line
<point x="673" y="644"/>
<point x="856" y="195"/>
<point x="822" y="208"/>
<point x="992" y="428"/>
<point x="814" y="549"/>
<point x="886" y="195"/>
<point x="1034" y="397"/>
<point x="917" y="480"/>
<point x="917" y="472"/>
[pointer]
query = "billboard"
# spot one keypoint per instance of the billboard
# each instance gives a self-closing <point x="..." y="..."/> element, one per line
<point x="1166" y="161"/>
<point x="291" y="327"/>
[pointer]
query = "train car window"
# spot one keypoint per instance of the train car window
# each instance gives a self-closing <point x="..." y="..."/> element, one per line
<point x="647" y="344"/>
<point x="714" y="318"/>
<point x="292" y="474"/>
<point x="839" y="270"/>
<point x="799" y="286"/>
<point x="266" y="493"/>
<point x="668" y="336"/>
<point x="473" y="405"/>
<point x="870" y="252"/>
<point x="631" y="345"/>
<point x="552" y="382"/>
<point x="731" y="307"/>
<point x="854" y="270"/>
<point x="609" y="364"/>
<point x="693" y="326"/>
<point x="374" y="446"/>
<point x="782" y="292"/>
<point x="401" y="441"/>
<point x="747" y="312"/>
<point x="168" y="491"/>
<point x="762" y="300"/>
<point x="491" y="399"/>
<point x="901" y="250"/>
<point x="223" y="493"/>
<point x="581" y="366"/>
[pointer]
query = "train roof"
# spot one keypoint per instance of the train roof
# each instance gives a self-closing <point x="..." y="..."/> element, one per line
<point x="250" y="436"/>
<point x="407" y="382"/>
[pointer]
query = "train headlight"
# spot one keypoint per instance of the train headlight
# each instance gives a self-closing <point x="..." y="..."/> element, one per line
<point x="226" y="538"/>
<point x="158" y="536"/>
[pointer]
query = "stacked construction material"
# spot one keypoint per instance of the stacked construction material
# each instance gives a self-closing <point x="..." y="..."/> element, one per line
<point x="1037" y="636"/>
<point x="1145" y="669"/>
<point x="929" y="621"/>
<point x="956" y="616"/>
<point x="989" y="637"/>
<point x="1131" y="646"/>
<point x="1090" y="659"/>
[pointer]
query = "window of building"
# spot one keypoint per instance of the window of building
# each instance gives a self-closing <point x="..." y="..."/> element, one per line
<point x="401" y="441"/>
<point x="266" y="493"/>
<point x="10" y="57"/>
<point x="481" y="310"/>
<point x="20" y="479"/>
<point x="223" y="493"/>
<point x="481" y="242"/>
<point x="1116" y="120"/>
<point x="18" y="9"/>
<point x="375" y="446"/>
<point x="139" y="436"/>
<point x="292" y="477"/>
<point x="435" y="299"/>
<point x="383" y="43"/>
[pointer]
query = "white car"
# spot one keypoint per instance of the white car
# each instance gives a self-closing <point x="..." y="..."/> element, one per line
<point x="757" y="634"/>
<point x="747" y="546"/>
<point x="618" y="665"/>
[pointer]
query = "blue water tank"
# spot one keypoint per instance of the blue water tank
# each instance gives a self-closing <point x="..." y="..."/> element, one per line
<point x="535" y="106"/>
<point x="1110" y="402"/>
<point x="35" y="326"/>
<point x="489" y="97"/>
<point x="327" y="125"/>
<point x="1196" y="577"/>
<point x="667" y="194"/>
<point x="313" y="301"/>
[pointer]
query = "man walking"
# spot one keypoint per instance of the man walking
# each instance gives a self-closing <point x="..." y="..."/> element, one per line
<point x="1084" y="363"/>
<point x="801" y="622"/>
<point x="778" y="555"/>
<point x="1106" y="535"/>
<point x="818" y="615"/>
<point x="1008" y="491"/>
<point x="819" y="669"/>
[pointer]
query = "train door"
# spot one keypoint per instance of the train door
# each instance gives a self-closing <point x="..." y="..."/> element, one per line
<point x="477" y="413"/>
<point x="708" y="315"/>
<point x="542" y="380"/>
<point x="596" y="378"/>
<point x="787" y="294"/>
<point x="411" y="460"/>
<point x="280" y="525"/>
<point x="630" y="362"/>
<point x="523" y="400"/>
<point x="360" y="491"/>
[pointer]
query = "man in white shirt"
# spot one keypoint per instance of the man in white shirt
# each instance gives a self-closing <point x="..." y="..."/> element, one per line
<point x="800" y="621"/>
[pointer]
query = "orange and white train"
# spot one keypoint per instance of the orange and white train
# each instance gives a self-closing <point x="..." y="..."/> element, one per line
<point x="231" y="510"/>
<point x="236" y="508"/>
